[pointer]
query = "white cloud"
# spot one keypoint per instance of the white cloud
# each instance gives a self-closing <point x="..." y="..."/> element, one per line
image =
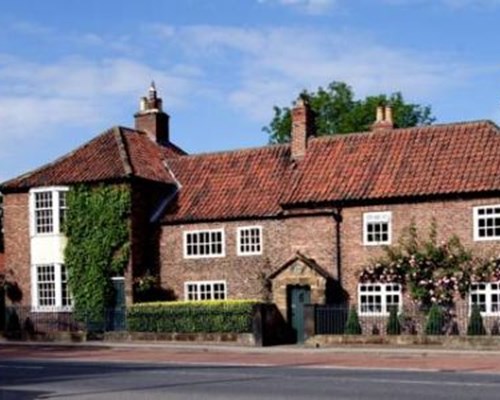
<point x="313" y="7"/>
<point x="35" y="98"/>
<point x="273" y="65"/>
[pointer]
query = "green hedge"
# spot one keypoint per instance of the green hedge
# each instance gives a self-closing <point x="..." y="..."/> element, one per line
<point x="192" y="317"/>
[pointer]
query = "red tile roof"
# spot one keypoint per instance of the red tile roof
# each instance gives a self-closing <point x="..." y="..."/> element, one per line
<point x="118" y="153"/>
<point x="401" y="163"/>
<point x="238" y="184"/>
<point x="423" y="161"/>
<point x="434" y="160"/>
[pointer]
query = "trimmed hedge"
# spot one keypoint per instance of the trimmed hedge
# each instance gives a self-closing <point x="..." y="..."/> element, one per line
<point x="192" y="317"/>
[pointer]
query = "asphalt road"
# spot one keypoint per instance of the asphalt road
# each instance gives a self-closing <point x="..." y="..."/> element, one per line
<point x="37" y="379"/>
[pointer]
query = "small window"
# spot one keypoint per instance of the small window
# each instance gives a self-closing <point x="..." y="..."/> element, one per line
<point x="44" y="211"/>
<point x="205" y="290"/>
<point x="487" y="223"/>
<point x="48" y="210"/>
<point x="249" y="240"/>
<point x="486" y="296"/>
<point x="201" y="244"/>
<point x="378" y="298"/>
<point x="377" y="228"/>
<point x="51" y="288"/>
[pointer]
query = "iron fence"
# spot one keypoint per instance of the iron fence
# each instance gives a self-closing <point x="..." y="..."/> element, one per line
<point x="24" y="320"/>
<point x="413" y="320"/>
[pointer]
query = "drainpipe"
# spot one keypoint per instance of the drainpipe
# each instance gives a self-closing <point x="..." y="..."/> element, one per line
<point x="337" y="217"/>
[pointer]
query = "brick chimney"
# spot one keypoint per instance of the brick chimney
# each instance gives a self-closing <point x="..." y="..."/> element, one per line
<point x="151" y="119"/>
<point x="384" y="119"/>
<point x="302" y="127"/>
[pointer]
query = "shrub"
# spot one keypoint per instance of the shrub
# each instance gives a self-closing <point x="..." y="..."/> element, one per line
<point x="192" y="317"/>
<point x="476" y="326"/>
<point x="495" y="328"/>
<point x="353" y="327"/>
<point x="435" y="321"/>
<point x="393" y="325"/>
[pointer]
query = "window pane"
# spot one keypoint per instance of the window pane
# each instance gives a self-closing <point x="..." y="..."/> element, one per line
<point x="488" y="222"/>
<point x="43" y="212"/>
<point x="250" y="240"/>
<point x="204" y="243"/>
<point x="46" y="285"/>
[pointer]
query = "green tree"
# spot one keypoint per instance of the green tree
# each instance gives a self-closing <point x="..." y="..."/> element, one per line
<point x="435" y="321"/>
<point x="353" y="327"/>
<point x="337" y="111"/>
<point x="476" y="326"/>
<point x="393" y="325"/>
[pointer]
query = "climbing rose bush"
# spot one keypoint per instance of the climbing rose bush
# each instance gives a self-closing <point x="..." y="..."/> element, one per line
<point x="431" y="272"/>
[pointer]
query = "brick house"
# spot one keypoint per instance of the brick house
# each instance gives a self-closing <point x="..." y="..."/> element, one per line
<point x="269" y="223"/>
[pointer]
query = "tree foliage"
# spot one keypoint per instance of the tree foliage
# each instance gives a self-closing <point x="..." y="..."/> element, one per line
<point x="476" y="326"/>
<point x="338" y="111"/>
<point x="352" y="326"/>
<point x="393" y="324"/>
<point x="97" y="229"/>
<point x="435" y="321"/>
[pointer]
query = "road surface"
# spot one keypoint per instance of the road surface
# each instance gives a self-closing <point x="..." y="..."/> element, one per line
<point x="26" y="379"/>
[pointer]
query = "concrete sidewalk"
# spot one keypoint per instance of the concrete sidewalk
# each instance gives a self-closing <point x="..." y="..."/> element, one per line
<point x="352" y="357"/>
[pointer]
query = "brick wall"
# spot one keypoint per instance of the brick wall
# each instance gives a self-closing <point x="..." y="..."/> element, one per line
<point x="313" y="236"/>
<point x="17" y="242"/>
<point x="144" y="235"/>
<point x="452" y="218"/>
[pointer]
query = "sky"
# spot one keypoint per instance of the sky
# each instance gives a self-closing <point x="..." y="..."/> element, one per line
<point x="71" y="69"/>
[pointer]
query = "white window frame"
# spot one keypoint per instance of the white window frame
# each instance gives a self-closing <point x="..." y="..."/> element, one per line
<point x="383" y="293"/>
<point x="198" y="284"/>
<point x="239" y="252"/>
<point x="491" y="288"/>
<point x="197" y="232"/>
<point x="377" y="217"/>
<point x="58" y="299"/>
<point x="476" y="219"/>
<point x="56" y="226"/>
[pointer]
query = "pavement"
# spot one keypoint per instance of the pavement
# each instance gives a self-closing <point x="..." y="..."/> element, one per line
<point x="341" y="357"/>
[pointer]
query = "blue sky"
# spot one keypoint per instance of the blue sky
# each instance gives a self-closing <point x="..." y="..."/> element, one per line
<point x="70" y="69"/>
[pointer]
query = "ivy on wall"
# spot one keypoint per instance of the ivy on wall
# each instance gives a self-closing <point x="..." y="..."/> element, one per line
<point x="98" y="247"/>
<point x="432" y="272"/>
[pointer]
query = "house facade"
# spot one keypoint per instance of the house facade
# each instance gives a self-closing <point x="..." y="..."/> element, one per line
<point x="273" y="223"/>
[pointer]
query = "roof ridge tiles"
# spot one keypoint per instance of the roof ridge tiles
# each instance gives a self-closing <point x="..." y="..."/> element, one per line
<point x="123" y="150"/>
<point x="432" y="127"/>
<point x="267" y="147"/>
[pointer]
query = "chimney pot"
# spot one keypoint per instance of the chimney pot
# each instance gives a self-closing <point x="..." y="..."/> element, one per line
<point x="388" y="115"/>
<point x="151" y="119"/>
<point x="384" y="119"/>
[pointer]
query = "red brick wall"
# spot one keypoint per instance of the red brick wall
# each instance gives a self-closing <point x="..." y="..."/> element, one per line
<point x="313" y="236"/>
<point x="17" y="242"/>
<point x="452" y="218"/>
